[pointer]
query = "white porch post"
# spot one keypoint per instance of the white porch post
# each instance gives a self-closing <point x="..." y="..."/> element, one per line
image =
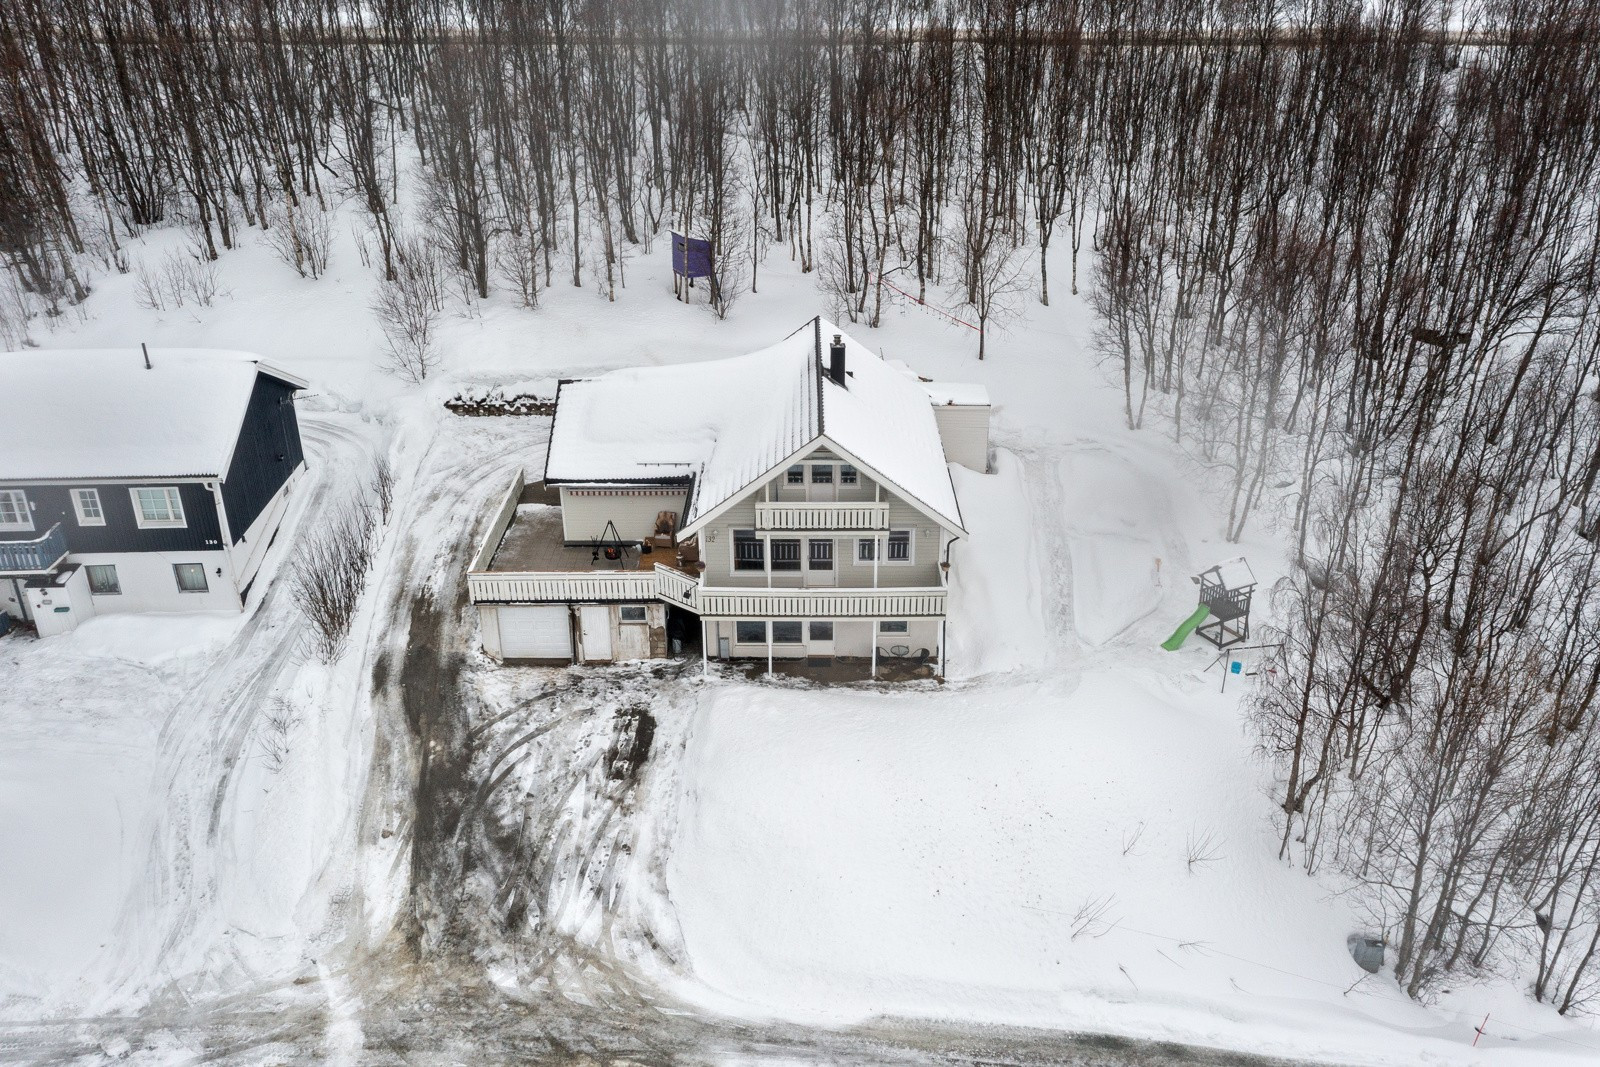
<point x="942" y="624"/>
<point x="769" y="646"/>
<point x="874" y="624"/>
<point x="705" y="648"/>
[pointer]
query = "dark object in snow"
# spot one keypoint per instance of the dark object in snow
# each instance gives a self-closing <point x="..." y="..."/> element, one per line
<point x="691" y="256"/>
<point x="1225" y="591"/>
<point x="1367" y="952"/>
<point x="691" y="259"/>
<point x="495" y="403"/>
<point x="632" y="733"/>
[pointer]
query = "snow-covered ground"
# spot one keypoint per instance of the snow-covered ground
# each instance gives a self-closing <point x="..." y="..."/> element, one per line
<point x="1071" y="833"/>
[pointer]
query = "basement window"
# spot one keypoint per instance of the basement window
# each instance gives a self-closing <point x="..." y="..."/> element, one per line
<point x="786" y="633"/>
<point x="631" y="613"/>
<point x="103" y="579"/>
<point x="191" y="577"/>
<point x="750" y="633"/>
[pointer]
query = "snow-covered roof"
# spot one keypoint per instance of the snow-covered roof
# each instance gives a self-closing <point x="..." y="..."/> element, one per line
<point x="962" y="394"/>
<point x="98" y="413"/>
<point x="726" y="423"/>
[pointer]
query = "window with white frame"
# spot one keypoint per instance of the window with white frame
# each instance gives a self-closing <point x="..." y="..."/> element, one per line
<point x="899" y="547"/>
<point x="14" y="511"/>
<point x="822" y="631"/>
<point x="157" y="506"/>
<point x="750" y="633"/>
<point x="785" y="553"/>
<point x="894" y="626"/>
<point x="191" y="577"/>
<point x="749" y="551"/>
<point x="866" y="550"/>
<point x="86" y="502"/>
<point x="796" y="475"/>
<point x="631" y="613"/>
<point x="847" y="474"/>
<point x="786" y="633"/>
<point x="103" y="579"/>
<point x="822" y="474"/>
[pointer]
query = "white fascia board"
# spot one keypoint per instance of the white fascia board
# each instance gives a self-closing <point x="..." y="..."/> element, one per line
<point x="823" y="440"/>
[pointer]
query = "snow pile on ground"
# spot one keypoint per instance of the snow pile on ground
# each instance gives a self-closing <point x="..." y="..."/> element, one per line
<point x="149" y="638"/>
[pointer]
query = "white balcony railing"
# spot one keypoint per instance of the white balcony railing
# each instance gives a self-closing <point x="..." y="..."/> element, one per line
<point x="822" y="516"/>
<point x="501" y="587"/>
<point x="675" y="587"/>
<point x="822" y="603"/>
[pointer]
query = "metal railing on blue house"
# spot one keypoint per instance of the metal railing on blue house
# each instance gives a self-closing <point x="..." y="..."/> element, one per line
<point x="38" y="556"/>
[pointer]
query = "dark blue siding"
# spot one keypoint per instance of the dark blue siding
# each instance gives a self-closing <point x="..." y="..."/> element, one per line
<point x="53" y="503"/>
<point x="267" y="453"/>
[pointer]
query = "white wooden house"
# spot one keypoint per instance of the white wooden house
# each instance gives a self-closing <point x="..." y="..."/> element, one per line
<point x="792" y="503"/>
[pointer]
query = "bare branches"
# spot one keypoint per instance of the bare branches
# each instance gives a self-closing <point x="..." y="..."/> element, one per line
<point x="408" y="308"/>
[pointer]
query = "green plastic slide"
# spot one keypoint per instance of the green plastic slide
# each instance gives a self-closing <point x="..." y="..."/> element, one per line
<point x="1181" y="634"/>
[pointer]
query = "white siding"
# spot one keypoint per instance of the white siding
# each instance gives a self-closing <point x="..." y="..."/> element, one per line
<point x="585" y="512"/>
<point x="964" y="429"/>
<point x="149" y="583"/>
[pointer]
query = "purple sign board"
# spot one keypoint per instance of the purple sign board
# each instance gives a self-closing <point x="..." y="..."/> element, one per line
<point x="691" y="256"/>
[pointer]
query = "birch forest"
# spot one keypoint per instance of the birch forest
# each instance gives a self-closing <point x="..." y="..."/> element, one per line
<point x="1348" y="254"/>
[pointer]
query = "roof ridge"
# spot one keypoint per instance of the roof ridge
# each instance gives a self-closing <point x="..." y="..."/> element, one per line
<point x="816" y="368"/>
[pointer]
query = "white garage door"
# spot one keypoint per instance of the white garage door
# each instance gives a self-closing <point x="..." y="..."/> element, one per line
<point x="535" y="633"/>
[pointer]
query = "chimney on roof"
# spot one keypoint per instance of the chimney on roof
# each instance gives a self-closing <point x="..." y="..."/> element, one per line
<point x="146" y="350"/>
<point x="836" y="359"/>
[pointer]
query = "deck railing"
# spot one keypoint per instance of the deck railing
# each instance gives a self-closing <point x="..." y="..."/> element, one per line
<point x="37" y="556"/>
<point x="500" y="587"/>
<point x="822" y="603"/>
<point x="822" y="516"/>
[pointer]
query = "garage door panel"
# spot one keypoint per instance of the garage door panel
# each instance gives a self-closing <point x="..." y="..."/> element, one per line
<point x="542" y="632"/>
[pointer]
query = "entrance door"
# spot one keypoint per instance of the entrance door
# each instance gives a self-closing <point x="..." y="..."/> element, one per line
<point x="819" y="638"/>
<point x="595" y="622"/>
<point x="12" y="600"/>
<point x="542" y="632"/>
<point x="820" y="567"/>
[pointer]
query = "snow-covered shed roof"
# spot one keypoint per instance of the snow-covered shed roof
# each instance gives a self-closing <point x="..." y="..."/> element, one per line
<point x="99" y="413"/>
<point x="723" y="424"/>
<point x="961" y="394"/>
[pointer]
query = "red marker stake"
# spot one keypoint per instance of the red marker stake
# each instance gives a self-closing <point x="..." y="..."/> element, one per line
<point x="1479" y="1031"/>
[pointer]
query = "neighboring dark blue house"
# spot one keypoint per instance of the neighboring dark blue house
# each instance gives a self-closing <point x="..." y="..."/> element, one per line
<point x="140" y="483"/>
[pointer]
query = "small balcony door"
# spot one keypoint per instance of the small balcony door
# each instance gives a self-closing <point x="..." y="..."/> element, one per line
<point x="819" y="638"/>
<point x="823" y="482"/>
<point x="821" y="568"/>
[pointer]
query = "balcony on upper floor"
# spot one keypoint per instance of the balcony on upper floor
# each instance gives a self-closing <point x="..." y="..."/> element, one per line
<point x="842" y="515"/>
<point x="38" y="556"/>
